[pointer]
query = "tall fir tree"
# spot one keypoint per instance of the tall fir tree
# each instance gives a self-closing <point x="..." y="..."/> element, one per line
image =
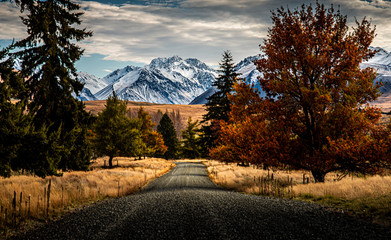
<point x="218" y="104"/>
<point x="167" y="130"/>
<point x="191" y="147"/>
<point x="48" y="55"/>
<point x="22" y="146"/>
<point x="115" y="134"/>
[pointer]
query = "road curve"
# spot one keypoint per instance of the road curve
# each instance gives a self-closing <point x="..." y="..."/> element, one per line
<point x="185" y="204"/>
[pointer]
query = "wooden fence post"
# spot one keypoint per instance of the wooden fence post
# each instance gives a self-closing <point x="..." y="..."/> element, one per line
<point x="48" y="203"/>
<point x="20" y="204"/>
<point x="14" y="210"/>
<point x="44" y="200"/>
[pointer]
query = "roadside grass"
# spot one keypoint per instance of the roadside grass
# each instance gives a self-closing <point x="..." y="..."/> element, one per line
<point x="72" y="190"/>
<point x="366" y="197"/>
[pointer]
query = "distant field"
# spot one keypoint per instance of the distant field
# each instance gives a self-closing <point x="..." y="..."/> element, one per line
<point x="194" y="111"/>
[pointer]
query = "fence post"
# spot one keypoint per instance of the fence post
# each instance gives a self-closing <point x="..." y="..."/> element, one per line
<point x="14" y="210"/>
<point x="48" y="203"/>
<point x="29" y="206"/>
<point x="62" y="197"/>
<point x="118" y="188"/>
<point x="44" y="200"/>
<point x="20" y="204"/>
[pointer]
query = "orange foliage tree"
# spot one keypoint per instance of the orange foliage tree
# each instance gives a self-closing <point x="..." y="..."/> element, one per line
<point x="314" y="115"/>
<point x="153" y="143"/>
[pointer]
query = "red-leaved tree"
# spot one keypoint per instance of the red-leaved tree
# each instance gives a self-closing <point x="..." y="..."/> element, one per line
<point x="314" y="116"/>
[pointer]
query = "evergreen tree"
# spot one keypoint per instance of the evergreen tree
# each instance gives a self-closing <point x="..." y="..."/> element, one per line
<point x="115" y="133"/>
<point x="22" y="147"/>
<point x="218" y="104"/>
<point x="48" y="57"/>
<point x="191" y="147"/>
<point x="167" y="130"/>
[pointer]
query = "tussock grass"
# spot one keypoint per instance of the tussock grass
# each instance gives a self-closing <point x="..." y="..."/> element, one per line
<point x="74" y="188"/>
<point x="368" y="197"/>
<point x="348" y="188"/>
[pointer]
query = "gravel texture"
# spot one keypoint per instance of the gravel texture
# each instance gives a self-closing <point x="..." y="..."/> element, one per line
<point x="185" y="204"/>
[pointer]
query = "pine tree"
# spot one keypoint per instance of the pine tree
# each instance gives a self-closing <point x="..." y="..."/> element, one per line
<point x="115" y="133"/>
<point x="191" y="147"/>
<point x="167" y="130"/>
<point x="22" y="147"/>
<point x="218" y="105"/>
<point x="48" y="55"/>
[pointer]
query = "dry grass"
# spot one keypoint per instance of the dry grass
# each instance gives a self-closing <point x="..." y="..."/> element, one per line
<point x="348" y="188"/>
<point x="245" y="179"/>
<point x="368" y="197"/>
<point x="194" y="111"/>
<point x="76" y="188"/>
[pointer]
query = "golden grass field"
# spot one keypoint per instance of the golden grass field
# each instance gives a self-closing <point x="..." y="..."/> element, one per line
<point x="369" y="197"/>
<point x="75" y="188"/>
<point x="194" y="111"/>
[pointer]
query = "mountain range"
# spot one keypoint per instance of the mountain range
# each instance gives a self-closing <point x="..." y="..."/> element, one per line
<point x="175" y="80"/>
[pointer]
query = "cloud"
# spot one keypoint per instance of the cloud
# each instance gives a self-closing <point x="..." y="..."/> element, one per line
<point x="108" y="70"/>
<point x="11" y="26"/>
<point x="191" y="28"/>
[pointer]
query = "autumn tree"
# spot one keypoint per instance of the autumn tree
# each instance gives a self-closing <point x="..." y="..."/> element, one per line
<point x="114" y="133"/>
<point x="315" y="108"/>
<point x="191" y="147"/>
<point x="247" y="137"/>
<point x="218" y="104"/>
<point x="48" y="55"/>
<point x="167" y="130"/>
<point x="153" y="142"/>
<point x="311" y="67"/>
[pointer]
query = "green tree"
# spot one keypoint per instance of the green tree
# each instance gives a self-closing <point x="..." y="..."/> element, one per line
<point x="48" y="55"/>
<point x="114" y="133"/>
<point x="22" y="147"/>
<point x="167" y="130"/>
<point x="191" y="147"/>
<point x="218" y="104"/>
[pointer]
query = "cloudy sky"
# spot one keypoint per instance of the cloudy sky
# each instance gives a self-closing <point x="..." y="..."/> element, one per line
<point x="135" y="32"/>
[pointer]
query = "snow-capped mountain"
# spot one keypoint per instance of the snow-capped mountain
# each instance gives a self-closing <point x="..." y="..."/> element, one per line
<point x="165" y="80"/>
<point x="246" y="70"/>
<point x="179" y="81"/>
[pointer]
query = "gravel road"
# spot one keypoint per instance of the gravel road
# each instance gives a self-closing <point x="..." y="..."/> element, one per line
<point x="185" y="204"/>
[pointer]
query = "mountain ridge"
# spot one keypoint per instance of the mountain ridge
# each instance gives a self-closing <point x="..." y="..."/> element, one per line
<point x="173" y="80"/>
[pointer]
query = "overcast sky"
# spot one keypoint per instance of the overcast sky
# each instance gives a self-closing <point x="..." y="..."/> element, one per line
<point x="135" y="32"/>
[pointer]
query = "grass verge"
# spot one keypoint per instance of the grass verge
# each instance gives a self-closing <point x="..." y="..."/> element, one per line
<point x="368" y="198"/>
<point x="28" y="200"/>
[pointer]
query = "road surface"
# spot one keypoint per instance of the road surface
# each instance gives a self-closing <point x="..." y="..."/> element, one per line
<point x="185" y="204"/>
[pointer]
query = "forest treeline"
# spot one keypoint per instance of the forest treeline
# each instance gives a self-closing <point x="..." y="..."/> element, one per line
<point x="314" y="115"/>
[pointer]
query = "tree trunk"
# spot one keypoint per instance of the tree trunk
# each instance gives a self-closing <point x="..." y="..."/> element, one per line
<point x="111" y="161"/>
<point x="318" y="176"/>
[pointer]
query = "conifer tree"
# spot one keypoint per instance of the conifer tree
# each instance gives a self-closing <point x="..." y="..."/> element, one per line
<point x="48" y="55"/>
<point x="218" y="105"/>
<point x="115" y="133"/>
<point x="22" y="147"/>
<point x="167" y="130"/>
<point x="191" y="147"/>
